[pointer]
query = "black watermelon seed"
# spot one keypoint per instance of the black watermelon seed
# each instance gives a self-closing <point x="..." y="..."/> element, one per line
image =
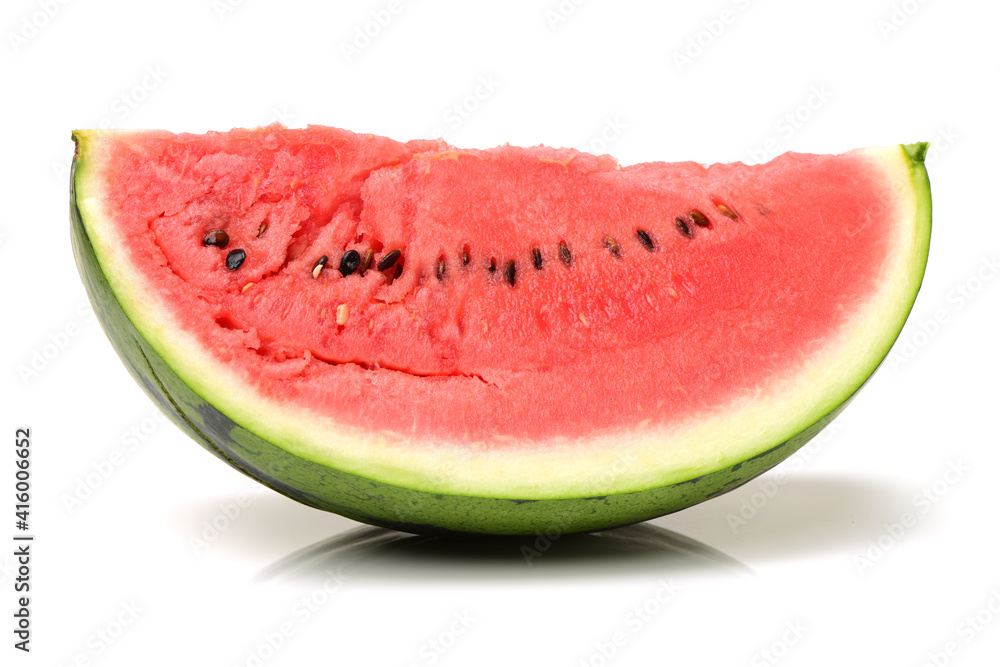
<point x="683" y="227"/>
<point x="440" y="271"/>
<point x="216" y="237"/>
<point x="536" y="258"/>
<point x="564" y="253"/>
<point x="465" y="258"/>
<point x="350" y="262"/>
<point x="510" y="272"/>
<point x="700" y="218"/>
<point x="235" y="258"/>
<point x="387" y="261"/>
<point x="318" y="266"/>
<point x="645" y="239"/>
<point x="367" y="261"/>
<point x="399" y="270"/>
<point x="493" y="265"/>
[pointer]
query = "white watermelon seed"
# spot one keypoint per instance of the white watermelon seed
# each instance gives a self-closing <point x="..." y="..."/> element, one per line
<point x="318" y="266"/>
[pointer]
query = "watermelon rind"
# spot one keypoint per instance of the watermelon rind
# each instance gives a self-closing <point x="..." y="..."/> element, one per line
<point x="376" y="478"/>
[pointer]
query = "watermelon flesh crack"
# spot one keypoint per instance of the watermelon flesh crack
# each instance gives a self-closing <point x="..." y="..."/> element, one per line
<point x="770" y="294"/>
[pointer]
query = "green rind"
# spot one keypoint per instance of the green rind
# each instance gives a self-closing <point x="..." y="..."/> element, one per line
<point x="915" y="154"/>
<point x="382" y="504"/>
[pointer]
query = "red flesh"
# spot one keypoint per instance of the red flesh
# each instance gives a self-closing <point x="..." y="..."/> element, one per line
<point x="605" y="343"/>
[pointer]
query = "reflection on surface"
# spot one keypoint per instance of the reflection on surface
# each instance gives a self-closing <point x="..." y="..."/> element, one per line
<point x="382" y="553"/>
<point x="807" y="516"/>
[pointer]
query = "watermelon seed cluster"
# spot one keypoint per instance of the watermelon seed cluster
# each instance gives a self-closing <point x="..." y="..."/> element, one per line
<point x="699" y="219"/>
<point x="352" y="261"/>
<point x="220" y="239"/>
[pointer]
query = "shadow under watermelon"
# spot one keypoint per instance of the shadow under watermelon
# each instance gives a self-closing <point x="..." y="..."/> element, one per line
<point x="379" y="553"/>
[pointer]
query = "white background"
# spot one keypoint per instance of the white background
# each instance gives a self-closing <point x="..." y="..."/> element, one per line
<point x="817" y="570"/>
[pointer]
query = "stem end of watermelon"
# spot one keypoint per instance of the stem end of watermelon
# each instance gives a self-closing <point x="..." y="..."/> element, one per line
<point x="916" y="152"/>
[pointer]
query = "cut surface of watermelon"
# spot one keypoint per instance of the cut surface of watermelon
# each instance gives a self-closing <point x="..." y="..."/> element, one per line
<point x="415" y="321"/>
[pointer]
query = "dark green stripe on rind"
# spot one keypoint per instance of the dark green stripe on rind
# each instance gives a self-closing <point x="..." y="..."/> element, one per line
<point x="376" y="502"/>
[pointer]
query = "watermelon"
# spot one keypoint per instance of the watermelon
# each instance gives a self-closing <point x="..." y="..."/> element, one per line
<point x="504" y="341"/>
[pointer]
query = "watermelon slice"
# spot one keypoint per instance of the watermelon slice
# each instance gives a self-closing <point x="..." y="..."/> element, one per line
<point x="503" y="341"/>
